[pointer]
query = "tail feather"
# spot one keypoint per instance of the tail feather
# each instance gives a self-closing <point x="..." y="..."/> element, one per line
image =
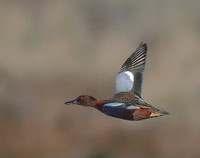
<point x="158" y="112"/>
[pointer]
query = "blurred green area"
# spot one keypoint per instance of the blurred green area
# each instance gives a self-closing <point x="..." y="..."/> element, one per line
<point x="52" y="51"/>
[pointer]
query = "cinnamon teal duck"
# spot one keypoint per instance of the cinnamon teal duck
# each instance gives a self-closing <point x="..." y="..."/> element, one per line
<point x="127" y="102"/>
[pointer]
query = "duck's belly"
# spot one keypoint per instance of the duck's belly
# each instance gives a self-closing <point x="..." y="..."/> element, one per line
<point x="135" y="115"/>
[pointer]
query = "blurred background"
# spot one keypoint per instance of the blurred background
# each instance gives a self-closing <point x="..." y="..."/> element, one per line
<point x="53" y="51"/>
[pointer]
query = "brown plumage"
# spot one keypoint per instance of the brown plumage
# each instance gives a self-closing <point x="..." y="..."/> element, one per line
<point x="127" y="103"/>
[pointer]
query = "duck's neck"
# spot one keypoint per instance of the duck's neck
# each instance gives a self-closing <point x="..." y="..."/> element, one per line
<point x="100" y="103"/>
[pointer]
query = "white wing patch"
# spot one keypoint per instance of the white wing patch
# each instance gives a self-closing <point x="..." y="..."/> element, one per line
<point x="132" y="107"/>
<point x="124" y="81"/>
<point x="113" y="104"/>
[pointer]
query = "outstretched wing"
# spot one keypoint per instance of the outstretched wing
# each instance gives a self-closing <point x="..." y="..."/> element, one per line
<point x="130" y="77"/>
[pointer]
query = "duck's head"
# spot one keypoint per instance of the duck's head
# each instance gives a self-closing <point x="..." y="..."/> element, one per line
<point x="84" y="100"/>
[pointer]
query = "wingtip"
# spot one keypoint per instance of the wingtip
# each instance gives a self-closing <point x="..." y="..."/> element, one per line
<point x="143" y="44"/>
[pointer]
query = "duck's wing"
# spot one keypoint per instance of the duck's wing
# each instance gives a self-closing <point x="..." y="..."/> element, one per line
<point x="130" y="77"/>
<point x="115" y="109"/>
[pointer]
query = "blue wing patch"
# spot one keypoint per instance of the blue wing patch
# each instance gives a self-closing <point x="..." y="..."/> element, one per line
<point x="115" y="109"/>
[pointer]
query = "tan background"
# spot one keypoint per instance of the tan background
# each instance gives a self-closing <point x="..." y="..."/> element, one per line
<point x="52" y="51"/>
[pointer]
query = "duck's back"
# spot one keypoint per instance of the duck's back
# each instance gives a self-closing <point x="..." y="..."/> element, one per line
<point x="128" y="98"/>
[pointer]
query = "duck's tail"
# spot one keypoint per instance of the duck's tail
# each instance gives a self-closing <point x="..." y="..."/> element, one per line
<point x="158" y="112"/>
